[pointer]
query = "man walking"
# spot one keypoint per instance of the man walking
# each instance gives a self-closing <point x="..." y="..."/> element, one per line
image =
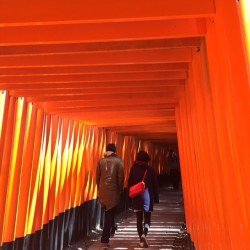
<point x="110" y="181"/>
<point x="174" y="167"/>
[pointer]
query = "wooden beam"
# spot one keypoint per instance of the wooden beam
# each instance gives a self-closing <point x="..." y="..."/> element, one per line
<point x="90" y="85"/>
<point x="67" y="69"/>
<point x="168" y="135"/>
<point x="122" y="115"/>
<point x="48" y="106"/>
<point x="100" y="46"/>
<point x="121" y="122"/>
<point x="120" y="108"/>
<point x="150" y="128"/>
<point x="161" y="125"/>
<point x="96" y="91"/>
<point x="97" y="10"/>
<point x="101" y="32"/>
<point x="182" y="55"/>
<point x="37" y="79"/>
<point x="122" y="97"/>
<point x="135" y="121"/>
<point x="157" y="136"/>
<point x="146" y="129"/>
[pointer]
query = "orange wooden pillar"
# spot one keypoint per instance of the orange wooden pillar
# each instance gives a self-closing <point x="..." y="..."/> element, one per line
<point x="27" y="172"/>
<point x="215" y="154"/>
<point x="231" y="99"/>
<point x="244" y="7"/>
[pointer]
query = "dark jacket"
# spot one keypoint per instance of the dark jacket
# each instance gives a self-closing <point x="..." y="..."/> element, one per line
<point x="136" y="175"/>
<point x="173" y="161"/>
<point x="110" y="180"/>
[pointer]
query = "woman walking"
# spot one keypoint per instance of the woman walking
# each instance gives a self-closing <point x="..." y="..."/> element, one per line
<point x="142" y="205"/>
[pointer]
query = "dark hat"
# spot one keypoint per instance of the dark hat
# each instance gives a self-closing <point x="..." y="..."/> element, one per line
<point x="143" y="156"/>
<point x="111" y="147"/>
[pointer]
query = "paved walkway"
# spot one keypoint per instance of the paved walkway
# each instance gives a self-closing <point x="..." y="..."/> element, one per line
<point x="167" y="219"/>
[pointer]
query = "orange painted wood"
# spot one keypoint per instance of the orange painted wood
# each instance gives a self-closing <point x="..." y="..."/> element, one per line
<point x="122" y="97"/>
<point x="115" y="68"/>
<point x="114" y="102"/>
<point x="243" y="7"/>
<point x="4" y="124"/>
<point x="53" y="169"/>
<point x="96" y="77"/>
<point x="94" y="85"/>
<point x="25" y="175"/>
<point x="99" y="46"/>
<point x="97" y="10"/>
<point x="125" y="114"/>
<point x="148" y="72"/>
<point x="223" y="135"/>
<point x="97" y="91"/>
<point x="180" y="55"/>
<point x="58" y="156"/>
<point x="5" y="169"/>
<point x="79" y="170"/>
<point x="231" y="129"/>
<point x="15" y="170"/>
<point x="183" y="157"/>
<point x="69" y="167"/>
<point x="74" y="175"/>
<point x="213" y="224"/>
<point x="128" y="107"/>
<point x="64" y="140"/>
<point x="101" y="32"/>
<point x="184" y="146"/>
<point x="40" y="185"/>
<point x="33" y="193"/>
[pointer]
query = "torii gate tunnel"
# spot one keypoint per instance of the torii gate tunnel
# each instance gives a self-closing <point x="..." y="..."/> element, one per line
<point x="76" y="75"/>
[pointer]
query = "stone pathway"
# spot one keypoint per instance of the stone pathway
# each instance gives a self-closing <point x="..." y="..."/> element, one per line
<point x="167" y="220"/>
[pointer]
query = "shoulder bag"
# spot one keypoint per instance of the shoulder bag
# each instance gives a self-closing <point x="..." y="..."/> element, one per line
<point x="138" y="188"/>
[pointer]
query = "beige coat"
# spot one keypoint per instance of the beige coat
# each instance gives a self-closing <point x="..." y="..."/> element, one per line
<point x="110" y="180"/>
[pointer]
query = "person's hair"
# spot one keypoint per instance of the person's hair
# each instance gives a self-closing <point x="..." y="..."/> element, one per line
<point x="111" y="147"/>
<point x="143" y="156"/>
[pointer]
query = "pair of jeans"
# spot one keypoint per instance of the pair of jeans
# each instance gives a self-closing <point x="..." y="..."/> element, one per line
<point x="109" y="224"/>
<point x="143" y="222"/>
